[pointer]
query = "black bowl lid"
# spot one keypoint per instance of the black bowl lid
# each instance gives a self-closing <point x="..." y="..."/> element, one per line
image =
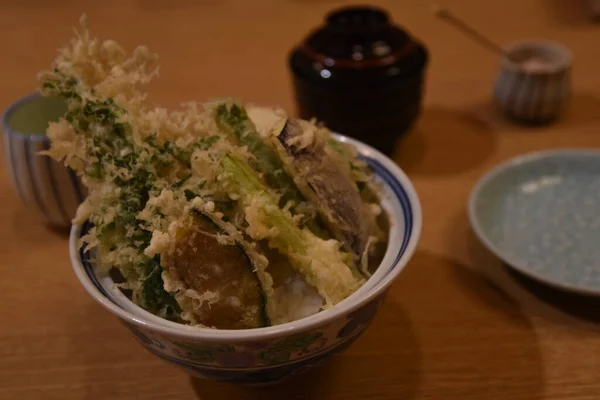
<point x="358" y="37"/>
<point x="358" y="46"/>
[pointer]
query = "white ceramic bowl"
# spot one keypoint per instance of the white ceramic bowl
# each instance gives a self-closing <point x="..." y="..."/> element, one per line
<point x="267" y="355"/>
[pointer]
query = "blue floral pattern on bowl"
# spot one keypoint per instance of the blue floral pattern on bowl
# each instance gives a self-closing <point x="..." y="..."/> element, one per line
<point x="267" y="362"/>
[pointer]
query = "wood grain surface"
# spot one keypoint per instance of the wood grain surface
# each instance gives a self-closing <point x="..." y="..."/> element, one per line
<point x="456" y="325"/>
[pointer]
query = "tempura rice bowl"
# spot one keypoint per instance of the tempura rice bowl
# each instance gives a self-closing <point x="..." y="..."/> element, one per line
<point x="270" y="354"/>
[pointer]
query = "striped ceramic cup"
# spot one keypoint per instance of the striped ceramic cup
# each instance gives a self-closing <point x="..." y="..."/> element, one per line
<point x="534" y="81"/>
<point x="46" y="187"/>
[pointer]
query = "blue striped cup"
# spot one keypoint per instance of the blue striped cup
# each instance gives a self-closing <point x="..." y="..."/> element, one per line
<point x="48" y="188"/>
<point x="535" y="83"/>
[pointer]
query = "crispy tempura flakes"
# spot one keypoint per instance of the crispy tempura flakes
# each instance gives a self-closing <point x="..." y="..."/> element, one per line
<point x="216" y="214"/>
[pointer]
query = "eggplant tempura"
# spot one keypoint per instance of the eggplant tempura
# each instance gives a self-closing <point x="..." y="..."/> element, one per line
<point x="218" y="214"/>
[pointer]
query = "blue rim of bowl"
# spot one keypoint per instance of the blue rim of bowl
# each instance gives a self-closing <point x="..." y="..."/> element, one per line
<point x="386" y="169"/>
<point x="489" y="244"/>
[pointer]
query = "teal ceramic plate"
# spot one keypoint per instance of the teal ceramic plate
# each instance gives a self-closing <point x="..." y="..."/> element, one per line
<point x="540" y="213"/>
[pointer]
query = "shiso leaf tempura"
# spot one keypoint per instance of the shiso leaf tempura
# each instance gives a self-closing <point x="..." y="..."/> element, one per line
<point x="217" y="214"/>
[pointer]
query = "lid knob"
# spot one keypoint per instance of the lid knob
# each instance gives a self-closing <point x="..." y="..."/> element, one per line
<point x="357" y="18"/>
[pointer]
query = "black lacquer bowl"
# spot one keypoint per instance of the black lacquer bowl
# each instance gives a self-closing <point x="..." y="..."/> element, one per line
<point x="360" y="75"/>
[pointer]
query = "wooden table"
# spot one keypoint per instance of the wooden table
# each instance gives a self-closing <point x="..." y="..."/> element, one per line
<point x="456" y="325"/>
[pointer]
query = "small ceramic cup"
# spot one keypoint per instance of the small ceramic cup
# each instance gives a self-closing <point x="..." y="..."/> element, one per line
<point x="534" y="81"/>
<point x="46" y="187"/>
